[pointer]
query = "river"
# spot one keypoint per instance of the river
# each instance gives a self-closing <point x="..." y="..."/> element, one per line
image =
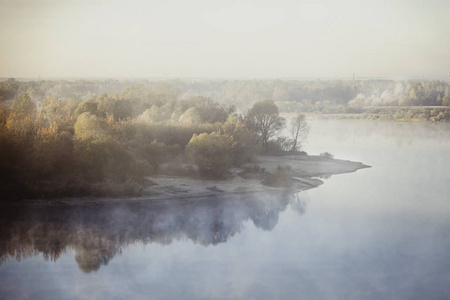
<point x="378" y="233"/>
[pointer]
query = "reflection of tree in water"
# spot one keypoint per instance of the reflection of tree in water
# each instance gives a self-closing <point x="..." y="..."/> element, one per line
<point x="298" y="202"/>
<point x="92" y="259"/>
<point x="98" y="232"/>
<point x="265" y="215"/>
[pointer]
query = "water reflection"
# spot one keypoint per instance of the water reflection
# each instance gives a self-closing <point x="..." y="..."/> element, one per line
<point x="97" y="233"/>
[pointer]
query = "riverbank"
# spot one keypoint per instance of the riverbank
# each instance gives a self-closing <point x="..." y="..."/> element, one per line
<point x="390" y="113"/>
<point x="305" y="172"/>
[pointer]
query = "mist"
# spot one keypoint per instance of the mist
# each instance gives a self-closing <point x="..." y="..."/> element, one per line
<point x="98" y="233"/>
<point x="204" y="39"/>
<point x="383" y="222"/>
<point x="209" y="150"/>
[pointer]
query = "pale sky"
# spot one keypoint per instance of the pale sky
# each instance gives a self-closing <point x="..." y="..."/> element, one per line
<point x="224" y="39"/>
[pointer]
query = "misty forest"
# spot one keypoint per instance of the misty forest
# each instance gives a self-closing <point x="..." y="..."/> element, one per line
<point x="107" y="144"/>
<point x="224" y="149"/>
<point x="103" y="138"/>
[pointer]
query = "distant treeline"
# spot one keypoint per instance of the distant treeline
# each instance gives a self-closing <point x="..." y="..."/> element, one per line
<point x="372" y="99"/>
<point x="333" y="96"/>
<point x="109" y="143"/>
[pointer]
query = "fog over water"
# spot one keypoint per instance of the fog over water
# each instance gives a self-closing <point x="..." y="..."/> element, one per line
<point x="378" y="233"/>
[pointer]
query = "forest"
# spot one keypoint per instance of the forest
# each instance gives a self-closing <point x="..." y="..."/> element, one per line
<point x="429" y="98"/>
<point x="65" y="138"/>
<point x="109" y="144"/>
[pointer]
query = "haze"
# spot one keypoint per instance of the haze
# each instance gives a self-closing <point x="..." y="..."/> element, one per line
<point x="224" y="39"/>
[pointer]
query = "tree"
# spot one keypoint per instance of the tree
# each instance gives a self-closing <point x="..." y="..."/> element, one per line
<point x="156" y="114"/>
<point x="446" y="98"/>
<point x="89" y="106"/>
<point x="211" y="152"/>
<point x="8" y="89"/>
<point x="51" y="110"/>
<point x="53" y="152"/>
<point x="358" y="102"/>
<point x="190" y="117"/>
<point x="264" y="120"/>
<point x="23" y="105"/>
<point x="4" y="113"/>
<point x="90" y="127"/>
<point x="246" y="142"/>
<point x="299" y="130"/>
<point x="118" y="109"/>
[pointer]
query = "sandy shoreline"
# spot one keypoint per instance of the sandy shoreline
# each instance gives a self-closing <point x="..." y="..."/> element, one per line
<point x="305" y="172"/>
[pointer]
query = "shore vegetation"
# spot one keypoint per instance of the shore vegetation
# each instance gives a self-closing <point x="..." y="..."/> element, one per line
<point x="109" y="144"/>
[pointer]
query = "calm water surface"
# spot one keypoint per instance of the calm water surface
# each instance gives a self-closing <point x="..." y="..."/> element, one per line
<point x="379" y="233"/>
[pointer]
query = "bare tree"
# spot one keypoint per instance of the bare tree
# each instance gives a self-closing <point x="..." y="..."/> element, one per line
<point x="299" y="131"/>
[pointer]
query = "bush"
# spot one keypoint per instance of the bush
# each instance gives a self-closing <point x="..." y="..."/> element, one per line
<point x="327" y="155"/>
<point x="211" y="152"/>
<point x="247" y="142"/>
